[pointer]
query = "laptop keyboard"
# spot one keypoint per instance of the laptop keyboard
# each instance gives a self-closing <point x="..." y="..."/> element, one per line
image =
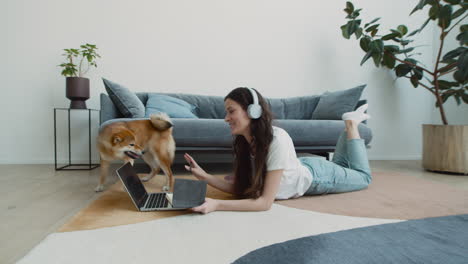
<point x="157" y="200"/>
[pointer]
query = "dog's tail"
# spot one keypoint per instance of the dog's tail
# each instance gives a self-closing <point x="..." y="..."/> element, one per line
<point x="161" y="121"/>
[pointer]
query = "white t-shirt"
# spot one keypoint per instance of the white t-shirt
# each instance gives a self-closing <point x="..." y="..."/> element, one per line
<point x="296" y="178"/>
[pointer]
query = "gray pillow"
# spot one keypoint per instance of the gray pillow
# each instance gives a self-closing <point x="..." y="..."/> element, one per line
<point x="333" y="105"/>
<point x="126" y="101"/>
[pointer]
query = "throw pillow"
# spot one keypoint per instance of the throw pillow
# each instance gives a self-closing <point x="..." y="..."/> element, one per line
<point x="172" y="106"/>
<point x="332" y="105"/>
<point x="126" y="101"/>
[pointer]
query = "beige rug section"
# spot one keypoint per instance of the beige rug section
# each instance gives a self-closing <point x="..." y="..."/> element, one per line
<point x="114" y="207"/>
<point x="390" y="196"/>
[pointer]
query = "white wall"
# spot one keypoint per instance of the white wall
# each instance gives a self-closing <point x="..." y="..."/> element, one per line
<point x="282" y="48"/>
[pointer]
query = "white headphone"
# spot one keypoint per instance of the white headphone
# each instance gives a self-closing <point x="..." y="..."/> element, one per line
<point x="254" y="110"/>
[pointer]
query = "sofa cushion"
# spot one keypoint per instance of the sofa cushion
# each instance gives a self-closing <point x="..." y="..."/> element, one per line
<point x="297" y="107"/>
<point x="333" y="105"/>
<point x="202" y="132"/>
<point x="126" y="101"/>
<point x="173" y="107"/>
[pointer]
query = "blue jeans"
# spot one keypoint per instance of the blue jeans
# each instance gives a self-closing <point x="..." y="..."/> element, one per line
<point x="348" y="171"/>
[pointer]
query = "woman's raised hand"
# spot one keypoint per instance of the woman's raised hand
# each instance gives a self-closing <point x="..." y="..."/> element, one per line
<point x="194" y="168"/>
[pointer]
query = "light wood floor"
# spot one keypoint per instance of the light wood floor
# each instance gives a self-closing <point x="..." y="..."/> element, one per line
<point x="37" y="200"/>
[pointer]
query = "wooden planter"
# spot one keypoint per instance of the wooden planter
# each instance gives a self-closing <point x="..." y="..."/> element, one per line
<point x="445" y="148"/>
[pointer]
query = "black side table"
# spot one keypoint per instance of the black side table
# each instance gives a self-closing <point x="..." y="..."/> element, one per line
<point x="88" y="166"/>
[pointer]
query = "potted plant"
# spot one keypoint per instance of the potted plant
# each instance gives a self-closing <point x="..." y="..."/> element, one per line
<point x="77" y="87"/>
<point x="445" y="147"/>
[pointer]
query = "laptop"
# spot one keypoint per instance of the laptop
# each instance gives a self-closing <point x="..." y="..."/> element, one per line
<point x="187" y="193"/>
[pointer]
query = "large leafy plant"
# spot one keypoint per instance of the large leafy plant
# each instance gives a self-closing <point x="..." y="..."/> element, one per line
<point x="87" y="54"/>
<point x="395" y="51"/>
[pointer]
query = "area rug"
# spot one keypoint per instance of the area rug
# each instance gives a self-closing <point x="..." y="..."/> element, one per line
<point x="390" y="196"/>
<point x="218" y="237"/>
<point x="393" y="196"/>
<point x="111" y="230"/>
<point x="431" y="240"/>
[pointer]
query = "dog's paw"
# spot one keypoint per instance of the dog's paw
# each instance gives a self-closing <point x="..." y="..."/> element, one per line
<point x="147" y="178"/>
<point x="99" y="188"/>
<point x="166" y="188"/>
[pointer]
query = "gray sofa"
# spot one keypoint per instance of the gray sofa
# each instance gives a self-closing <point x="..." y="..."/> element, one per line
<point x="210" y="133"/>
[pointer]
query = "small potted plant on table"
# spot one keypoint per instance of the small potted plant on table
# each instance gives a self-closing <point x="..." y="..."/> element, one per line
<point x="77" y="87"/>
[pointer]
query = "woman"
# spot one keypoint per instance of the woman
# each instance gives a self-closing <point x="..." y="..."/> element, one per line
<point x="265" y="163"/>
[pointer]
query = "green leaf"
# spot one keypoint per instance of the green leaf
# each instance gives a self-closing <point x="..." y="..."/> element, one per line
<point x="344" y="31"/>
<point x="388" y="60"/>
<point x="396" y="32"/>
<point x="445" y="16"/>
<point x="403" y="29"/>
<point x="405" y="50"/>
<point x="355" y="14"/>
<point x="377" y="46"/>
<point x="447" y="68"/>
<point x="458" y="13"/>
<point x="413" y="61"/>
<point x="358" y="32"/>
<point x="364" y="43"/>
<point x="389" y="36"/>
<point x="444" y="85"/>
<point x="463" y="65"/>
<point x="353" y="25"/>
<point x="366" y="57"/>
<point x="420" y="6"/>
<point x="371" y="28"/>
<point x="372" y="22"/>
<point x="434" y="12"/>
<point x="417" y="73"/>
<point x="463" y="38"/>
<point x="402" y="69"/>
<point x="465" y="98"/>
<point x="464" y="28"/>
<point x="453" y="2"/>
<point x="414" y="81"/>
<point x="458" y="76"/>
<point x="454" y="53"/>
<point x="349" y="8"/>
<point x="391" y="48"/>
<point x="377" y="57"/>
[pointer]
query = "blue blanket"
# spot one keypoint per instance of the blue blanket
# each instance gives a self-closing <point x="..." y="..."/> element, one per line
<point x="430" y="240"/>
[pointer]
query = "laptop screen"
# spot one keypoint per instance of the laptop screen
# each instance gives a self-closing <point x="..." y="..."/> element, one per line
<point x="133" y="184"/>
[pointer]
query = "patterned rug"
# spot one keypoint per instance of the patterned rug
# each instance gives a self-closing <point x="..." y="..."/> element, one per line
<point x="390" y="196"/>
<point x="111" y="230"/>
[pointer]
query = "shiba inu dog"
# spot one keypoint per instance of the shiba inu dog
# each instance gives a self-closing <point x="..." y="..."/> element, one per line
<point x="128" y="140"/>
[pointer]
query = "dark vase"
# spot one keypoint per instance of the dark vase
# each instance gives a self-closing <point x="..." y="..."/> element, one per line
<point x="77" y="90"/>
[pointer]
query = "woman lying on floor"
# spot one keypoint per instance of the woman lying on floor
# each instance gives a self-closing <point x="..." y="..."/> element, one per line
<point x="265" y="163"/>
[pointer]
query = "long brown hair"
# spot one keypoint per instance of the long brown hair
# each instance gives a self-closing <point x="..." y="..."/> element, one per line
<point x="246" y="183"/>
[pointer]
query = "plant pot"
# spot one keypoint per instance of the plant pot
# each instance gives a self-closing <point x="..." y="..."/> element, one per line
<point x="445" y="148"/>
<point x="77" y="90"/>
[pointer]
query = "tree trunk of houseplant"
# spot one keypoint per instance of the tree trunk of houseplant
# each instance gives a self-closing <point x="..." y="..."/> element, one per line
<point x="77" y="90"/>
<point x="445" y="148"/>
